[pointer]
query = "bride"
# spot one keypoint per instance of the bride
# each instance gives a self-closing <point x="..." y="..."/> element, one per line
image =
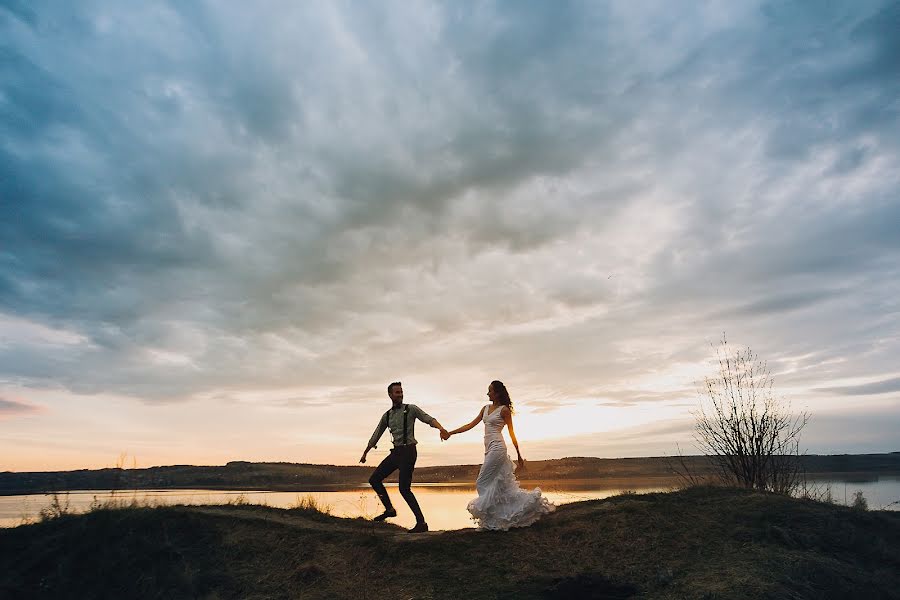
<point x="501" y="503"/>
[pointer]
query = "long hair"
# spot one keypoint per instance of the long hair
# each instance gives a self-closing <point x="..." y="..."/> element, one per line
<point x="502" y="394"/>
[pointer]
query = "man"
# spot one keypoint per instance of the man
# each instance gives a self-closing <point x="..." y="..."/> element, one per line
<point x="401" y="420"/>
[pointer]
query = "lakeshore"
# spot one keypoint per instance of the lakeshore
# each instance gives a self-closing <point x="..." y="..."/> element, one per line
<point x="303" y="477"/>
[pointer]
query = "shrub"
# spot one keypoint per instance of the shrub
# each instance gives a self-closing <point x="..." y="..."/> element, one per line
<point x="748" y="432"/>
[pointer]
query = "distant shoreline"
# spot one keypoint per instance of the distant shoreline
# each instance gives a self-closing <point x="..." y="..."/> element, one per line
<point x="302" y="477"/>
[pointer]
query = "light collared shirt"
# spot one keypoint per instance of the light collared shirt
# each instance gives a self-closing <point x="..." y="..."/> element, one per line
<point x="393" y="419"/>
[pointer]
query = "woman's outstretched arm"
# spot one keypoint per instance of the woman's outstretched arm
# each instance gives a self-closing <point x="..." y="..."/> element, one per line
<point x="468" y="426"/>
<point x="507" y="416"/>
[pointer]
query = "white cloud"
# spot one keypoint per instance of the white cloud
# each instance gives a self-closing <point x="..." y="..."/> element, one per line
<point x="213" y="200"/>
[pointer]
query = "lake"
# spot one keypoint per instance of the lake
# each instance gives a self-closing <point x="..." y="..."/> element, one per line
<point x="444" y="505"/>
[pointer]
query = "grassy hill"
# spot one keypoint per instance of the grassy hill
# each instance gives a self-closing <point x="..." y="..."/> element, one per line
<point x="701" y="543"/>
<point x="240" y="475"/>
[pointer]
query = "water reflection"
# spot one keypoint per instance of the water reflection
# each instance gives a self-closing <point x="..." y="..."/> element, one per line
<point x="444" y="505"/>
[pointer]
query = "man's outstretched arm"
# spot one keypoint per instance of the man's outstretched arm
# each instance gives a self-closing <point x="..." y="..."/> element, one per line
<point x="382" y="425"/>
<point x="434" y="423"/>
<point x="426" y="418"/>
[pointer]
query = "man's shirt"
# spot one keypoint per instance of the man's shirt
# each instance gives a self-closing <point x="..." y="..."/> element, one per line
<point x="393" y="419"/>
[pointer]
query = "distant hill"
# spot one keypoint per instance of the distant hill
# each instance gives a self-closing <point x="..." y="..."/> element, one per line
<point x="239" y="475"/>
<point x="700" y="543"/>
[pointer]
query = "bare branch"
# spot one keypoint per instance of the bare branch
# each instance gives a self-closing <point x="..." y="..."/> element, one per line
<point x="748" y="432"/>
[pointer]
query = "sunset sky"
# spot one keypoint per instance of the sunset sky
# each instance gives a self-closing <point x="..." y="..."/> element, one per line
<point x="225" y="227"/>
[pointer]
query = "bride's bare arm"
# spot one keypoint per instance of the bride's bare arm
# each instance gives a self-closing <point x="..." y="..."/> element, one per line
<point x="469" y="426"/>
<point x="507" y="416"/>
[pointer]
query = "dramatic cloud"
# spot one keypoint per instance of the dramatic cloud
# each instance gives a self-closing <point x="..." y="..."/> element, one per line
<point x="290" y="205"/>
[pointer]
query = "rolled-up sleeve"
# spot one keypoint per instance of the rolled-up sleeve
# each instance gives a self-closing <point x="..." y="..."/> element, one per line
<point x="382" y="425"/>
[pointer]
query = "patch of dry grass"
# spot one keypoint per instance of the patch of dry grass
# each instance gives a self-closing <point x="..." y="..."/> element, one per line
<point x="310" y="503"/>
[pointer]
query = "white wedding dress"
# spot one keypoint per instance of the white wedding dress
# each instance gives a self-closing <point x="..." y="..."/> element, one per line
<point x="501" y="503"/>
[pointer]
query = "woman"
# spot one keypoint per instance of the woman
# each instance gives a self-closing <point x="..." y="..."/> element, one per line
<point x="501" y="503"/>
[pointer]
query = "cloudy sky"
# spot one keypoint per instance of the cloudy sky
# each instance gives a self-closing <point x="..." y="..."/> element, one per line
<point x="225" y="228"/>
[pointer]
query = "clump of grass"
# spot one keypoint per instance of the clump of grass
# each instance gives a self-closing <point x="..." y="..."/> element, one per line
<point x="26" y="517"/>
<point x="310" y="503"/>
<point x="58" y="507"/>
<point x="816" y="492"/>
<point x="239" y="500"/>
<point x="362" y="506"/>
<point x="859" y="501"/>
<point x="117" y="503"/>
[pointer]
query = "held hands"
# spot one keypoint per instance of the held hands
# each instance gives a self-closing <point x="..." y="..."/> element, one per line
<point x="445" y="435"/>
<point x="521" y="462"/>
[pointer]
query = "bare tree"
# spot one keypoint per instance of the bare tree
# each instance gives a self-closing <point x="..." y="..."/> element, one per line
<point x="748" y="432"/>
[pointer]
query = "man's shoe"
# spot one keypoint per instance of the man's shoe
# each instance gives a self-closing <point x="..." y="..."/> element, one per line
<point x="386" y="515"/>
<point x="419" y="528"/>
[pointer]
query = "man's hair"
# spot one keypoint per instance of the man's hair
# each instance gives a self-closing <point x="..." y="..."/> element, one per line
<point x="392" y="385"/>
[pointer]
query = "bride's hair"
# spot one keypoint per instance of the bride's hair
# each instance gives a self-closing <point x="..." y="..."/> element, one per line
<point x="502" y="394"/>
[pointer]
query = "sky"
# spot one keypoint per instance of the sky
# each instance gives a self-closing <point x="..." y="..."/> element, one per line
<point x="225" y="227"/>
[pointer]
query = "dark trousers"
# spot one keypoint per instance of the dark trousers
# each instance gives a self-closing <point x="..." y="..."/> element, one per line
<point x="403" y="458"/>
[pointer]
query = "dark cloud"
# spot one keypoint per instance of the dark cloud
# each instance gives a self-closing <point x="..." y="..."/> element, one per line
<point x="20" y="10"/>
<point x="783" y="303"/>
<point x="357" y="179"/>
<point x="885" y="386"/>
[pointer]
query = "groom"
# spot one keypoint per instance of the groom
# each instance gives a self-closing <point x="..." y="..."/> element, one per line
<point x="401" y="419"/>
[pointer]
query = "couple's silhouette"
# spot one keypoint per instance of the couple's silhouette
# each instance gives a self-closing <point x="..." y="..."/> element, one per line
<point x="500" y="504"/>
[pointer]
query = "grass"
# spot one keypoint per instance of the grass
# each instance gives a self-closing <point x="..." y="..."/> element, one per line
<point x="699" y="543"/>
<point x="310" y="504"/>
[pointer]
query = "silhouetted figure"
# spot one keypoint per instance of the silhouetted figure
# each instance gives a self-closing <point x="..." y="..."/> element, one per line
<point x="501" y="503"/>
<point x="401" y="420"/>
